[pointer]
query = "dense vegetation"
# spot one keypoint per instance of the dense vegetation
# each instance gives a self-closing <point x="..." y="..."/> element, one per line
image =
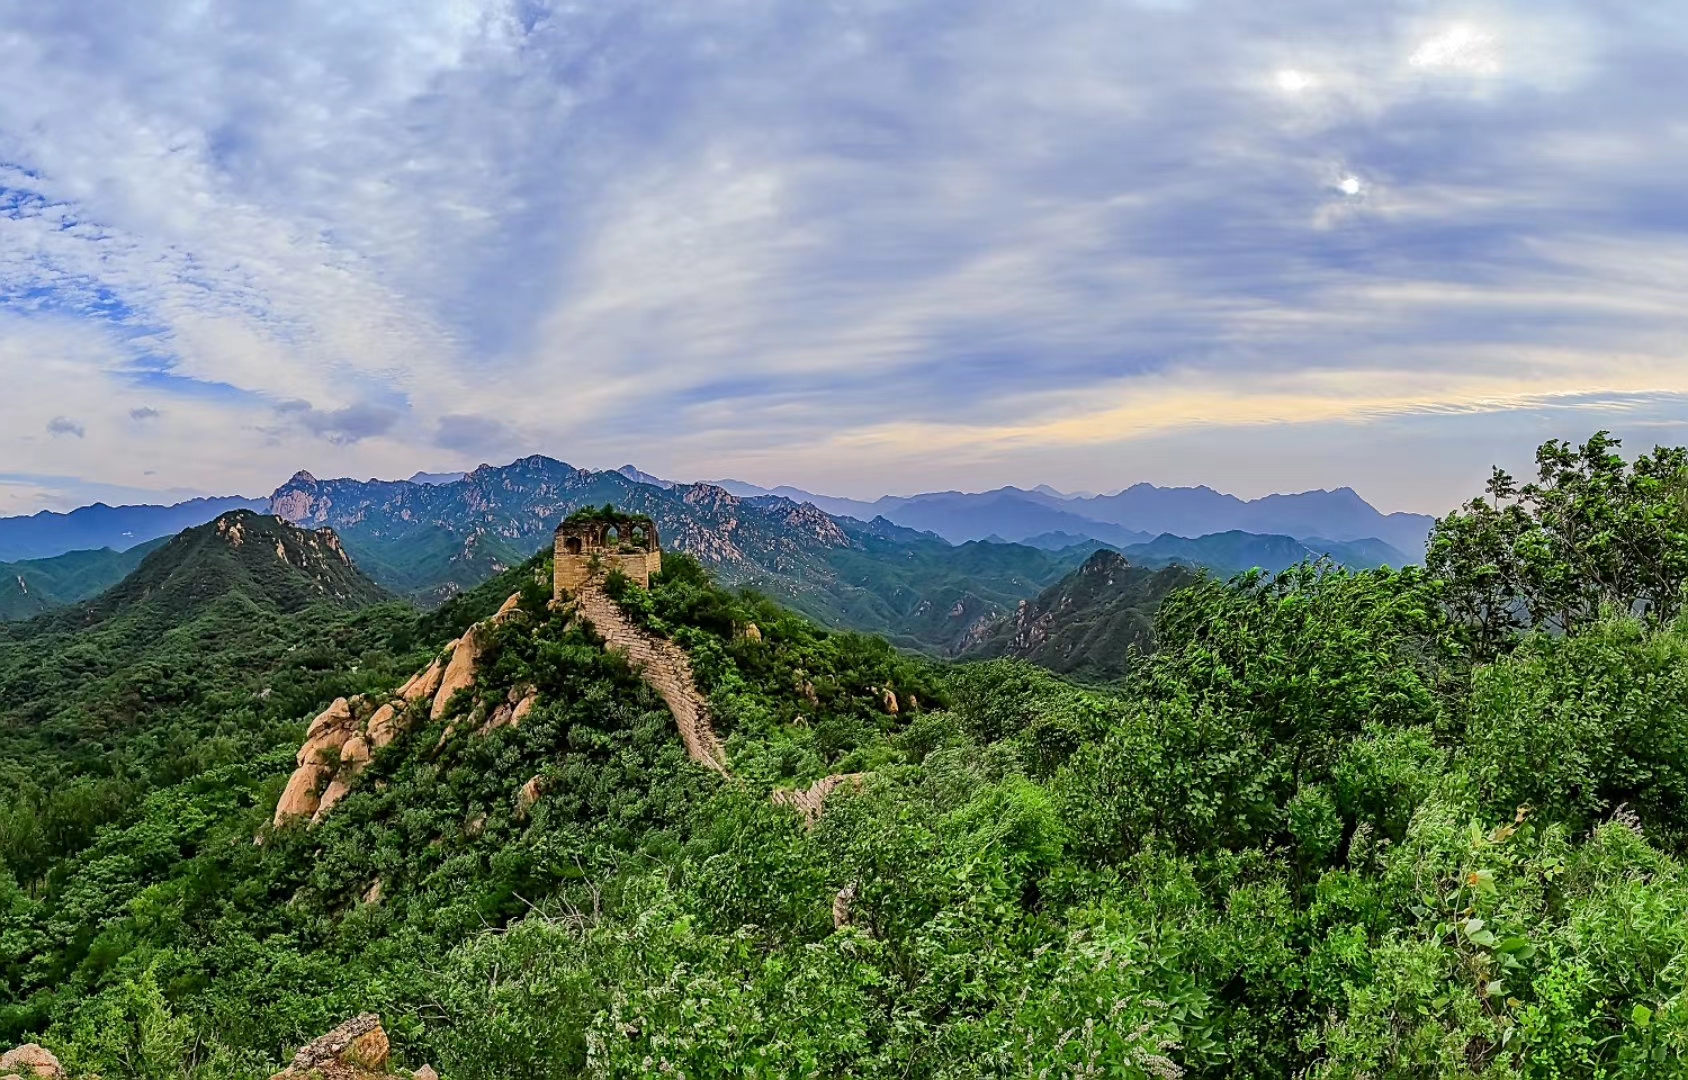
<point x="1340" y="825"/>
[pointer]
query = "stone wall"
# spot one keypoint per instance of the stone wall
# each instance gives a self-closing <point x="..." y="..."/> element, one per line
<point x="665" y="666"/>
<point x="574" y="572"/>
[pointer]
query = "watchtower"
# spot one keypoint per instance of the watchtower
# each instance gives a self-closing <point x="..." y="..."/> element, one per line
<point x="592" y="542"/>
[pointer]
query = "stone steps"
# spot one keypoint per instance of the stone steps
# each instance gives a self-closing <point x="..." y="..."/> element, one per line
<point x="665" y="667"/>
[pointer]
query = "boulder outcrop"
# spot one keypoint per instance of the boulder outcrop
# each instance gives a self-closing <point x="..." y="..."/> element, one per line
<point x="343" y="739"/>
<point x="460" y="672"/>
<point x="30" y="1062"/>
<point x="356" y="1050"/>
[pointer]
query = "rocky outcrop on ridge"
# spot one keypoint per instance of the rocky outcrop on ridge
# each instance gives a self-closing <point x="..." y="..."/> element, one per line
<point x="356" y="1050"/>
<point x="341" y="741"/>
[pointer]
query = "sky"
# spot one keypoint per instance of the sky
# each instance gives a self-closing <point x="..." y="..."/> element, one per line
<point x="852" y="245"/>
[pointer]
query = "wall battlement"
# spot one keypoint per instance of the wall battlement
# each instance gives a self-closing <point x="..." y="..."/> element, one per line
<point x="589" y="546"/>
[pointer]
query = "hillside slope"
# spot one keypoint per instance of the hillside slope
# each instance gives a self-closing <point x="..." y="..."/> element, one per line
<point x="210" y="646"/>
<point x="916" y="588"/>
<point x="33" y="586"/>
<point x="1086" y="624"/>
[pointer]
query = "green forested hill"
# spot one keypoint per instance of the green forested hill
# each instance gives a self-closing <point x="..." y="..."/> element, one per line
<point x="204" y="655"/>
<point x="1087" y="624"/>
<point x="33" y="586"/>
<point x="1341" y="825"/>
<point x="915" y="588"/>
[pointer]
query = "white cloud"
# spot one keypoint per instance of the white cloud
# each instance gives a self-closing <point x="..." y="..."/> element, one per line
<point x="1460" y="49"/>
<point x="319" y="235"/>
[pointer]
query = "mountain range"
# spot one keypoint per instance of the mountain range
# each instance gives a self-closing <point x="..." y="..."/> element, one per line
<point x="1135" y="515"/>
<point x="31" y="586"/>
<point x="925" y="582"/>
<point x="48" y="533"/>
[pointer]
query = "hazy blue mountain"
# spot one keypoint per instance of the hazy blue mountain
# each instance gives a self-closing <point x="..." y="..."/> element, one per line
<point x="835" y="505"/>
<point x="1009" y="513"/>
<point x="1058" y="541"/>
<point x="1340" y="515"/>
<point x="1235" y="551"/>
<point x="1134" y="515"/>
<point x="89" y="528"/>
<point x="436" y="477"/>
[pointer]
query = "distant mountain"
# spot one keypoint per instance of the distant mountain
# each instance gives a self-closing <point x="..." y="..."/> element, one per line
<point x="436" y="477"/>
<point x="832" y="504"/>
<point x="905" y="579"/>
<point x="262" y="559"/>
<point x="30" y="587"/>
<point x="638" y="477"/>
<point x="1134" y="515"/>
<point x="1233" y="552"/>
<point x="88" y="528"/>
<point x="1340" y="515"/>
<point x="1058" y="541"/>
<point x="1008" y="512"/>
<point x="432" y="541"/>
<point x="916" y="588"/>
<point x="1085" y="624"/>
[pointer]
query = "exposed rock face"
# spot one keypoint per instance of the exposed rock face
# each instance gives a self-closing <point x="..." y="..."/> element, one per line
<point x="354" y="755"/>
<point x="425" y="683"/>
<point x="343" y="739"/>
<point x="460" y="673"/>
<point x="384" y="726"/>
<point x="30" y="1061"/>
<point x="811" y="801"/>
<point x="529" y="795"/>
<point x="356" y="1050"/>
<point x="300" y="799"/>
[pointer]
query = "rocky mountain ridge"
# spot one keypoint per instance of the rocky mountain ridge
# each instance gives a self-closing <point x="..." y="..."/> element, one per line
<point x="499" y="514"/>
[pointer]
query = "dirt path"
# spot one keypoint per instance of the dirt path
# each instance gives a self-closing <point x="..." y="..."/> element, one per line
<point x="665" y="666"/>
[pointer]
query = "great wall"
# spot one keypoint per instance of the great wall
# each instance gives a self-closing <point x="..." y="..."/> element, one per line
<point x="341" y="740"/>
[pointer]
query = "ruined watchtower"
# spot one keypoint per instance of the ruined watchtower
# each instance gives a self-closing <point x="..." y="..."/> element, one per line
<point x="592" y="542"/>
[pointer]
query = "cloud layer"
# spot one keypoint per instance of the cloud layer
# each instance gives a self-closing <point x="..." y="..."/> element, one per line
<point x="857" y="245"/>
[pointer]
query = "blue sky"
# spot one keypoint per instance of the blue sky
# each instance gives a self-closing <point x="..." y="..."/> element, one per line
<point x="852" y="245"/>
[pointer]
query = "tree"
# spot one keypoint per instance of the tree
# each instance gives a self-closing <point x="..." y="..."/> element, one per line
<point x="1591" y="533"/>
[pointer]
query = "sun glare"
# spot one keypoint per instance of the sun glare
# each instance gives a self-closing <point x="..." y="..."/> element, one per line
<point x="1291" y="81"/>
